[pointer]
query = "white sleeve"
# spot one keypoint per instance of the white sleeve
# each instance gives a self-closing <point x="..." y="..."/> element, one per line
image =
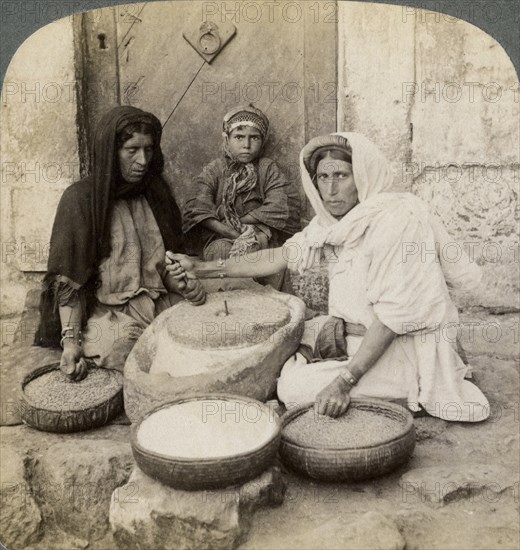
<point x="293" y="250"/>
<point x="405" y="285"/>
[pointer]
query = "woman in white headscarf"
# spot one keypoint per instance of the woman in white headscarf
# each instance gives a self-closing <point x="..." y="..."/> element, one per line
<point x="390" y="314"/>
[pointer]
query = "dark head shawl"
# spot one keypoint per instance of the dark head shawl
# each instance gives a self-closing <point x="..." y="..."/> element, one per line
<point x="81" y="232"/>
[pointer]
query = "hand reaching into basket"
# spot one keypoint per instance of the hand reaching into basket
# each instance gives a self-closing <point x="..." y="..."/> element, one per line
<point x="72" y="362"/>
<point x="334" y="399"/>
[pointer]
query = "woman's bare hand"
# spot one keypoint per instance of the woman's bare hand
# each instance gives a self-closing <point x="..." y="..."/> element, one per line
<point x="72" y="362"/>
<point x="187" y="263"/>
<point x="194" y="292"/>
<point x="334" y="399"/>
<point x="181" y="267"/>
<point x="176" y="275"/>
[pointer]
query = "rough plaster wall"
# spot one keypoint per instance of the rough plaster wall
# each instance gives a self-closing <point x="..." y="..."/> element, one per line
<point x="375" y="56"/>
<point x="463" y="158"/>
<point x="190" y="96"/>
<point x="38" y="147"/>
<point x="441" y="99"/>
<point x="478" y="135"/>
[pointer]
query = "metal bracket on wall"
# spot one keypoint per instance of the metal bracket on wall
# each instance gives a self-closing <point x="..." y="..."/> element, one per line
<point x="208" y="39"/>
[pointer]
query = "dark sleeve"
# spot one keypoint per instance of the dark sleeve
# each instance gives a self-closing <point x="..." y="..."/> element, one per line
<point x="166" y="213"/>
<point x="281" y="205"/>
<point x="57" y="292"/>
<point x="201" y="202"/>
<point x="71" y="253"/>
<point x="71" y="262"/>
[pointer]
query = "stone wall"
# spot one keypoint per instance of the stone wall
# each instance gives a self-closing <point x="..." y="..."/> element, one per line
<point x="438" y="95"/>
<point x="441" y="99"/>
<point x="38" y="147"/>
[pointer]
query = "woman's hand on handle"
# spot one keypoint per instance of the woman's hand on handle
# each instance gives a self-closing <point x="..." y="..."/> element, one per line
<point x="180" y="267"/>
<point x="194" y="292"/>
<point x="260" y="264"/>
<point x="182" y="262"/>
<point x="176" y="274"/>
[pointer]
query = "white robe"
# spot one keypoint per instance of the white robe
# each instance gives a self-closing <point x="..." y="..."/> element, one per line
<point x="381" y="276"/>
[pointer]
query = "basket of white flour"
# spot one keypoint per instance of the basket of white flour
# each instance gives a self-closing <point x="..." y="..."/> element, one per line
<point x="206" y="442"/>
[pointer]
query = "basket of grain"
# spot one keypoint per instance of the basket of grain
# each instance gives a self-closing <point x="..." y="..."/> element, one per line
<point x="206" y="441"/>
<point x="371" y="439"/>
<point x="50" y="401"/>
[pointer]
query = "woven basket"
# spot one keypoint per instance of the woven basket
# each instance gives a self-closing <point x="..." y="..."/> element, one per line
<point x="68" y="420"/>
<point x="351" y="464"/>
<point x="211" y="473"/>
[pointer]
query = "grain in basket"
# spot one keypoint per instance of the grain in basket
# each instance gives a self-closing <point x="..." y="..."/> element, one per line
<point x="54" y="391"/>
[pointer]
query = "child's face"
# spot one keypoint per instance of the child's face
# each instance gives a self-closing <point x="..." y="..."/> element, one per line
<point x="245" y="143"/>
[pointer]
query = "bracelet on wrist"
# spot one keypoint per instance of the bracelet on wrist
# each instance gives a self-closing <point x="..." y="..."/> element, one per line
<point x="75" y="340"/>
<point x="348" y="377"/>
<point x="68" y="333"/>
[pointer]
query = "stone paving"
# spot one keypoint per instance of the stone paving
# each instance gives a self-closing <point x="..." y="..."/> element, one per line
<point x="460" y="489"/>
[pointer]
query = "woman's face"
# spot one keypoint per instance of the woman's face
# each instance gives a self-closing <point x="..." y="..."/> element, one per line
<point x="135" y="156"/>
<point x="336" y="185"/>
<point x="245" y="143"/>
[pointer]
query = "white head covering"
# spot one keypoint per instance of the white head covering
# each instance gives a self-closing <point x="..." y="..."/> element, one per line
<point x="371" y="171"/>
<point x="372" y="177"/>
<point x="373" y="180"/>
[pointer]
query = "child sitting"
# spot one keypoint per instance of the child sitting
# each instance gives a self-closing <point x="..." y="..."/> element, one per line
<point x="241" y="202"/>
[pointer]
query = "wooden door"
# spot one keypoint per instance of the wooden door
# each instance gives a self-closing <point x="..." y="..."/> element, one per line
<point x="282" y="58"/>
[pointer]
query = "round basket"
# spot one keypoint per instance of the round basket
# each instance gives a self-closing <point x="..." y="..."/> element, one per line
<point x="66" y="421"/>
<point x="194" y="474"/>
<point x="356" y="463"/>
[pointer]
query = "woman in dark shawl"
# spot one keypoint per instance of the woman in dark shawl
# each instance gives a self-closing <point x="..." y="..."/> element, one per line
<point x="106" y="278"/>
